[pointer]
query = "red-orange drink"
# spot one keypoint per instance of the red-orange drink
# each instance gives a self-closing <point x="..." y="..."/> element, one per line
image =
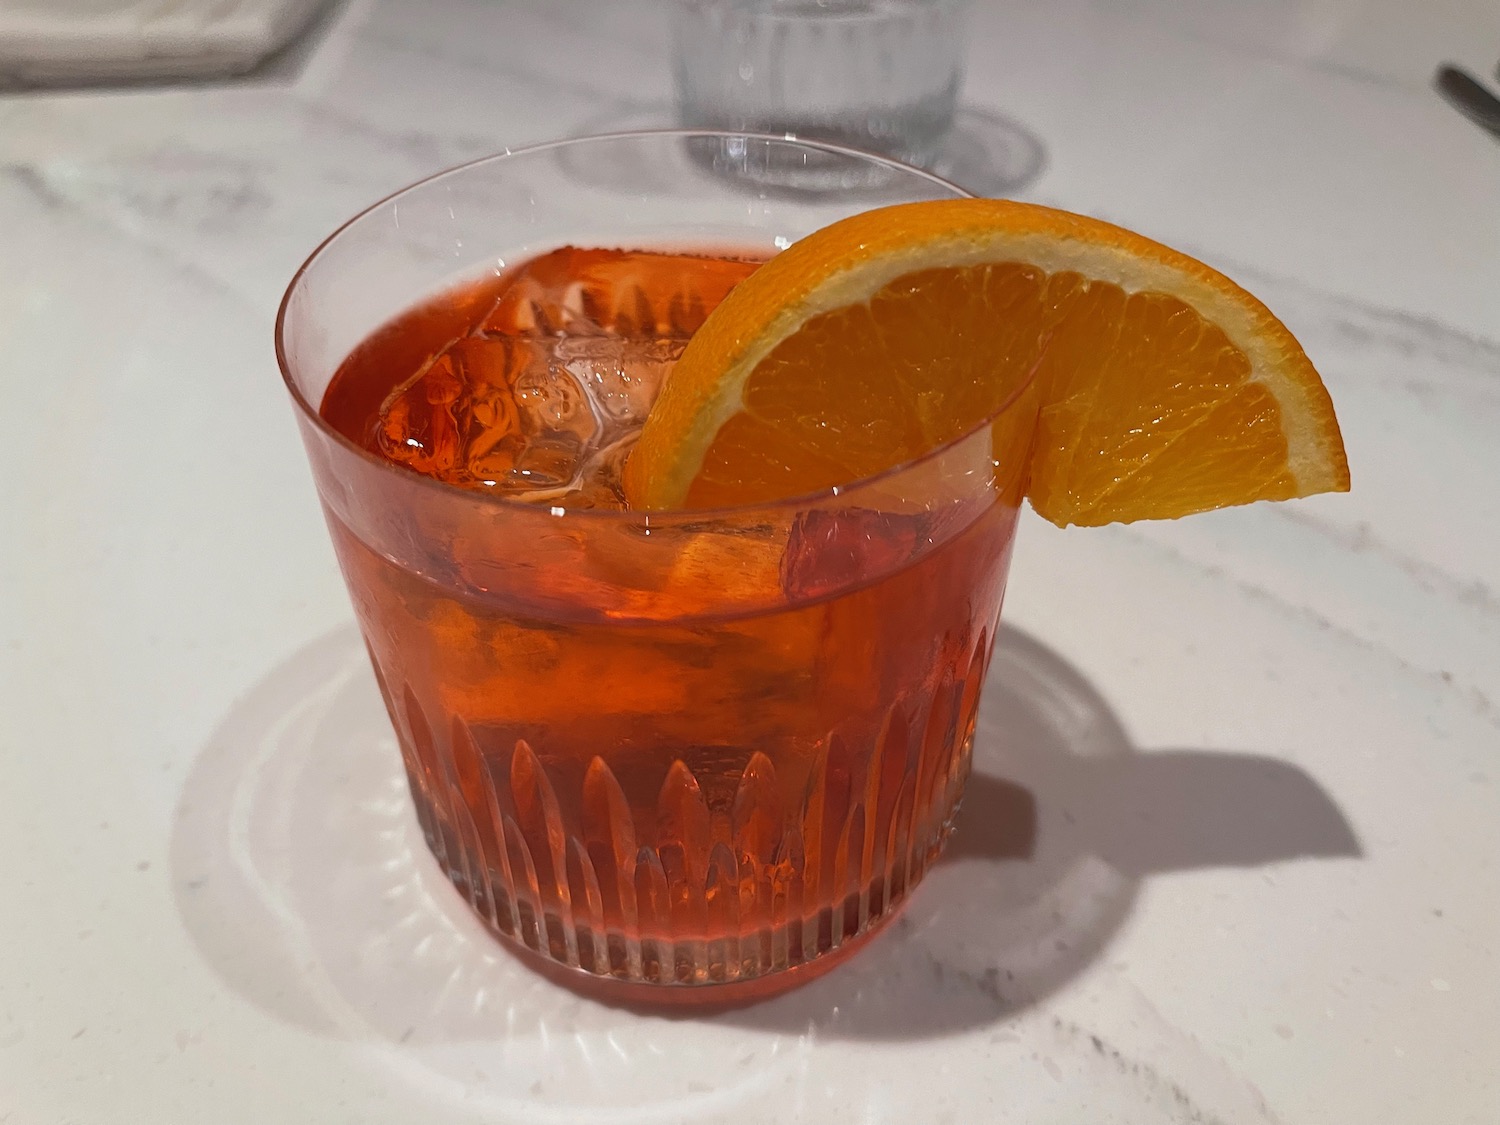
<point x="738" y="764"/>
<point x="687" y="755"/>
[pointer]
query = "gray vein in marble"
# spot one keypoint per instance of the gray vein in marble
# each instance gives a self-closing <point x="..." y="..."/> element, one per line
<point x="34" y="184"/>
<point x="428" y="151"/>
<point x="1468" y="696"/>
<point x="1146" y="1077"/>
<point x="204" y="191"/>
<point x="999" y="990"/>
<point x="580" y="19"/>
<point x="1315" y="64"/>
<point x="1348" y="71"/>
<point x="1270" y="52"/>
<point x="485" y="61"/>
<point x="1359" y="321"/>
<point x="47" y="193"/>
<point x="1361" y="539"/>
<point x="1008" y="998"/>
<point x="1406" y="333"/>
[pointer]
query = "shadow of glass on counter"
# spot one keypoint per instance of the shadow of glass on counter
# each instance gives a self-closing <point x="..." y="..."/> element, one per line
<point x="1062" y="820"/>
<point x="301" y="875"/>
<point x="985" y="153"/>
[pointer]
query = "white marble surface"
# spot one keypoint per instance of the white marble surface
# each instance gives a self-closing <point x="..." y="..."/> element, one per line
<point x="1263" y="746"/>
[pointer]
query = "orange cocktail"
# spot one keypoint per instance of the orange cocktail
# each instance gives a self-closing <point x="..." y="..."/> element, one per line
<point x="687" y="748"/>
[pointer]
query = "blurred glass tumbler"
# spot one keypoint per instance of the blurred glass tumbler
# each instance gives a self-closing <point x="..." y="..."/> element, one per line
<point x="881" y="75"/>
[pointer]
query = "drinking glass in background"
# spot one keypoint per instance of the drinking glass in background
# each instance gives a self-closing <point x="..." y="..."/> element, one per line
<point x="880" y="75"/>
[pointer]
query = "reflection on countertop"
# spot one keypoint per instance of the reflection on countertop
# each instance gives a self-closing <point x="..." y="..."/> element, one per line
<point x="300" y="872"/>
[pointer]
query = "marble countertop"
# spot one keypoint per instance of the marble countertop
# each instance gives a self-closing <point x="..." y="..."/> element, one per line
<point x="1262" y="747"/>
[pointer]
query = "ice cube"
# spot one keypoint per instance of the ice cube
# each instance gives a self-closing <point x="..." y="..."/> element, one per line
<point x="620" y="377"/>
<point x="832" y="550"/>
<point x="471" y="413"/>
<point x="546" y="463"/>
<point x="546" y="419"/>
<point x="429" y="422"/>
<point x="551" y="403"/>
<point x="600" y="480"/>
<point x="554" y="432"/>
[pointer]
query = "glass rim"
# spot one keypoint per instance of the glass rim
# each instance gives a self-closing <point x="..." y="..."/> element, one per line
<point x="314" y="415"/>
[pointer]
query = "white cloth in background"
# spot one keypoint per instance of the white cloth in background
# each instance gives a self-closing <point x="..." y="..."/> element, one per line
<point x="48" y="42"/>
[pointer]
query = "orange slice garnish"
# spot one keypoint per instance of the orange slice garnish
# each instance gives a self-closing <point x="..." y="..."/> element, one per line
<point x="1165" y="388"/>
